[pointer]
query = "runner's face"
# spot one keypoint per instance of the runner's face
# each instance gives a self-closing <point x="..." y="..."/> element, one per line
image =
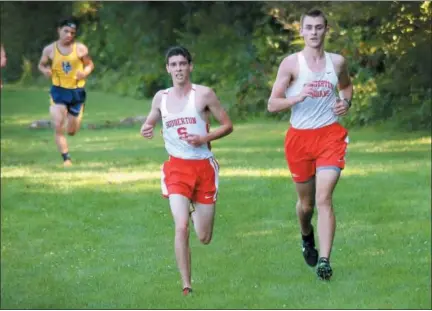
<point x="313" y="31"/>
<point x="179" y="69"/>
<point x="66" y="34"/>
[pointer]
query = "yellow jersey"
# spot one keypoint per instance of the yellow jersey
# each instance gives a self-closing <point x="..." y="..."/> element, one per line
<point x="64" y="68"/>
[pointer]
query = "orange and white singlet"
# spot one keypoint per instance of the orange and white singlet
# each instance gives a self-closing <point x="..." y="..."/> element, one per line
<point x="176" y="126"/>
<point x="316" y="111"/>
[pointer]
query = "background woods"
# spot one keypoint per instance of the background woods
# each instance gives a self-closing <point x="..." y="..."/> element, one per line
<point x="237" y="47"/>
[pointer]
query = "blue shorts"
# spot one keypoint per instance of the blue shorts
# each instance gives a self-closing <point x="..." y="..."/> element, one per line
<point x="73" y="99"/>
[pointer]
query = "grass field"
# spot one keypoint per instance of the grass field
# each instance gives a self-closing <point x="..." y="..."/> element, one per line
<point x="100" y="236"/>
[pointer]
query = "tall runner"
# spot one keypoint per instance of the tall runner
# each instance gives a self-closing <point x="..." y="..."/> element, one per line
<point x="315" y="143"/>
<point x="190" y="175"/>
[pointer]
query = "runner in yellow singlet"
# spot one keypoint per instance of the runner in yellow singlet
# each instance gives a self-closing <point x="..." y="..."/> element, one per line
<point x="68" y="64"/>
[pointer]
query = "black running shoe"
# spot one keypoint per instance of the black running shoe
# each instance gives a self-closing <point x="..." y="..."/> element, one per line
<point x="309" y="251"/>
<point x="324" y="271"/>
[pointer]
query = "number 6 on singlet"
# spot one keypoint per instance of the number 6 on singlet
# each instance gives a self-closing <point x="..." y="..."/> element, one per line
<point x="182" y="132"/>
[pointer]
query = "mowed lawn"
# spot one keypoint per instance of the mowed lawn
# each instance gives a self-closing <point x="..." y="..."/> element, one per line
<point x="100" y="236"/>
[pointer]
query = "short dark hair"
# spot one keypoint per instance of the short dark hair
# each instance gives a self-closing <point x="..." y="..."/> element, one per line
<point x="314" y="13"/>
<point x="70" y="21"/>
<point x="178" y="50"/>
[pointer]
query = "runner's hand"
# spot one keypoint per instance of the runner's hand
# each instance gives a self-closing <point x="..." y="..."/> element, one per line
<point x="47" y="72"/>
<point x="341" y="107"/>
<point x="80" y="75"/>
<point x="306" y="91"/>
<point x="195" y="140"/>
<point x="147" y="131"/>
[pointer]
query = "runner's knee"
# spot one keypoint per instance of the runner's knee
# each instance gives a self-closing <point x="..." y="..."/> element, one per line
<point x="59" y="130"/>
<point x="205" y="238"/>
<point x="306" y="203"/>
<point x="324" y="200"/>
<point x="182" y="229"/>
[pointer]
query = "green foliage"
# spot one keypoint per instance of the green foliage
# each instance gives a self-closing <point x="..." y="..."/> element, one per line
<point x="27" y="27"/>
<point x="227" y="61"/>
<point x="237" y="48"/>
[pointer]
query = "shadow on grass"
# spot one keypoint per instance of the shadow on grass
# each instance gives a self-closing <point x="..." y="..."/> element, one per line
<point x="151" y="157"/>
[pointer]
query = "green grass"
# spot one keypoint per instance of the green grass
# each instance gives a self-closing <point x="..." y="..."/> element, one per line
<point x="99" y="235"/>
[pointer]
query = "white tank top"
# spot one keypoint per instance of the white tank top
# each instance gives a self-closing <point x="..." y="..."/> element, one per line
<point x="176" y="126"/>
<point x="314" y="112"/>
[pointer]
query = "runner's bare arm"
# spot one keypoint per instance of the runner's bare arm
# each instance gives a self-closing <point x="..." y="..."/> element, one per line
<point x="44" y="62"/>
<point x="83" y="54"/>
<point x="345" y="85"/>
<point x="153" y="117"/>
<point x="278" y="101"/>
<point x="215" y="107"/>
<point x="3" y="57"/>
<point x="226" y="127"/>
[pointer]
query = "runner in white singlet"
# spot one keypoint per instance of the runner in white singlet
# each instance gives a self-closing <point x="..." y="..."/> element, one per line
<point x="190" y="175"/>
<point x="316" y="143"/>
